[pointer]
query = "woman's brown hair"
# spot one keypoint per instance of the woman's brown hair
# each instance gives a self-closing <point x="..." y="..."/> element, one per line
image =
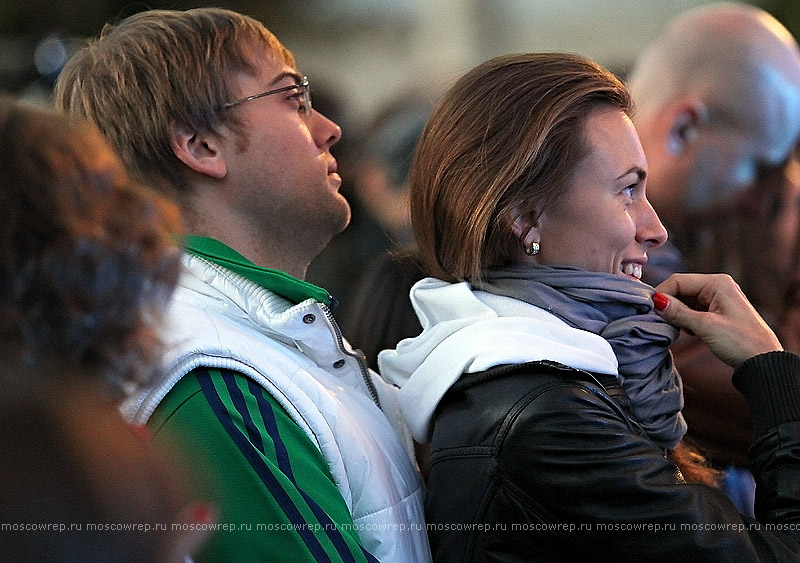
<point x="501" y="144"/>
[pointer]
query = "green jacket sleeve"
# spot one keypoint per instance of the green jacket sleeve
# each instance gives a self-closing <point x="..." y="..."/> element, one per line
<point x="274" y="495"/>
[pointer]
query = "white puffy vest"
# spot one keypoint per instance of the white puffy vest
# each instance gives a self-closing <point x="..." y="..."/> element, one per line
<point x="219" y="319"/>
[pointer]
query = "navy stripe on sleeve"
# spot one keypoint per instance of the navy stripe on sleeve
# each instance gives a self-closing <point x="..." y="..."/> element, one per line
<point x="271" y="425"/>
<point x="260" y="467"/>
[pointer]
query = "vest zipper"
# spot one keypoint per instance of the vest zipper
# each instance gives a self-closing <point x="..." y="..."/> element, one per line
<point x="359" y="359"/>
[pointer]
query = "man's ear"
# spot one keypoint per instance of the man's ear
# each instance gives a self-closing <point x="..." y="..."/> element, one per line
<point x="684" y="126"/>
<point x="200" y="152"/>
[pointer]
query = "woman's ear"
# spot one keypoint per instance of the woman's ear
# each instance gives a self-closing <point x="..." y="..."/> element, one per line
<point x="526" y="229"/>
<point x="684" y="126"/>
<point x="520" y="223"/>
<point x="523" y="223"/>
<point x="200" y="152"/>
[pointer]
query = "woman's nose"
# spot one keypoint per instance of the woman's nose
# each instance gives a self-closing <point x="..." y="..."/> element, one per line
<point x="649" y="229"/>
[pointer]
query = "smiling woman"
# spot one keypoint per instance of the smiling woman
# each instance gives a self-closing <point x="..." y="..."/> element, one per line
<point x="542" y="378"/>
<point x="607" y="199"/>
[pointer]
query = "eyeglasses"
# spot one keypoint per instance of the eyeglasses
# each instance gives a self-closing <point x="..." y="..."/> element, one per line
<point x="304" y="91"/>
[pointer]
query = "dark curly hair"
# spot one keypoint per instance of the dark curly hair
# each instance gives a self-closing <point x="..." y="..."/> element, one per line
<point x="87" y="258"/>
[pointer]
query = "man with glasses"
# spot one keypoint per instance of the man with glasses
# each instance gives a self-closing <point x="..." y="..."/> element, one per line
<point x="298" y="444"/>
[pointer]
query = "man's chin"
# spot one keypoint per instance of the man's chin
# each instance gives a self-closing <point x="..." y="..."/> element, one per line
<point x="346" y="216"/>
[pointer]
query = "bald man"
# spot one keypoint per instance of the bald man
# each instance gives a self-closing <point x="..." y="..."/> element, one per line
<point x="718" y="114"/>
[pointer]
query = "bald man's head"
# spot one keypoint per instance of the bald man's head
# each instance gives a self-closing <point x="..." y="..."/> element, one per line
<point x="703" y="50"/>
<point x="718" y="101"/>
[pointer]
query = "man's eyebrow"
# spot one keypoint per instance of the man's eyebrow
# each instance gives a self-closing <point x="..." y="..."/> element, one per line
<point x="298" y="78"/>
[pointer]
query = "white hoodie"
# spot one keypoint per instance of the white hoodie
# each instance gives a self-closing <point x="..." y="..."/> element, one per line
<point x="468" y="331"/>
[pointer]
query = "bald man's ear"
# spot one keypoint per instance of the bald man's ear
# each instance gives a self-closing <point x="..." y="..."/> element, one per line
<point x="685" y="125"/>
<point x="200" y="152"/>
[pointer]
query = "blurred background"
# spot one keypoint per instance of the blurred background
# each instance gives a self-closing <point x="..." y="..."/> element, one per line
<point x="361" y="52"/>
<point x="363" y="56"/>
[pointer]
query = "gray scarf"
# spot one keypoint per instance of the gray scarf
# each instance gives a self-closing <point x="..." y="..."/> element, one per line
<point x="620" y="310"/>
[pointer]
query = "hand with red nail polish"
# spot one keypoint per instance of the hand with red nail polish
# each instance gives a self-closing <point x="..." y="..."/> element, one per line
<point x="713" y="307"/>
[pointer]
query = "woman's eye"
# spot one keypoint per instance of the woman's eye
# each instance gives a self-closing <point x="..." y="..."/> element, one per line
<point x="629" y="190"/>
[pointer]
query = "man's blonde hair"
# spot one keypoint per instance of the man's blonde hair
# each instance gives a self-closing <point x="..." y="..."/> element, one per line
<point x="163" y="68"/>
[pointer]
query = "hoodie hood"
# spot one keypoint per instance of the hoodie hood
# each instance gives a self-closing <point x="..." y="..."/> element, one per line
<point x="468" y="331"/>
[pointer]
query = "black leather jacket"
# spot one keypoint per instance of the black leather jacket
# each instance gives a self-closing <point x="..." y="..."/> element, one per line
<point x="541" y="462"/>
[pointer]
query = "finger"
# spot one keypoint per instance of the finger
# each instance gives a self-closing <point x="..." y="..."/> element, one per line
<point x="685" y="285"/>
<point x="674" y="311"/>
<point x="705" y="292"/>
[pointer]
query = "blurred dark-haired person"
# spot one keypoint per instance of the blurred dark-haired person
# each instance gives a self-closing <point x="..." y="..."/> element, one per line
<point x="87" y="266"/>
<point x="81" y="484"/>
<point x="88" y="260"/>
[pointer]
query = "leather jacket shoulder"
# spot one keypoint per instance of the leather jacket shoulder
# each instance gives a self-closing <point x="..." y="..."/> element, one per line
<point x="541" y="462"/>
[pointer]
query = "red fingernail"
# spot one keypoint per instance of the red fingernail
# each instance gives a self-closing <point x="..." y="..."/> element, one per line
<point x="660" y="301"/>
